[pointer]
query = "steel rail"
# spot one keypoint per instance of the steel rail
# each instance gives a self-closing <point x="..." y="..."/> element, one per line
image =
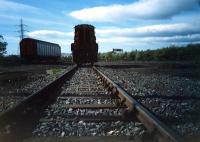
<point x="155" y="127"/>
<point x="32" y="105"/>
<point x="37" y="101"/>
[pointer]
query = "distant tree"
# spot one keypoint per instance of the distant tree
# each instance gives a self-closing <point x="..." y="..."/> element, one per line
<point x="99" y="57"/>
<point x="3" y="45"/>
<point x="173" y="53"/>
<point x="137" y="55"/>
<point x="109" y="56"/>
<point x="132" y="55"/>
<point x="125" y="56"/>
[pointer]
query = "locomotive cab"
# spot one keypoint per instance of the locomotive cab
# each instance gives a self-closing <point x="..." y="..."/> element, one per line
<point x="84" y="49"/>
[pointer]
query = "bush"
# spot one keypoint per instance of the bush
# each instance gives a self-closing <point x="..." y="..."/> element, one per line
<point x="189" y="53"/>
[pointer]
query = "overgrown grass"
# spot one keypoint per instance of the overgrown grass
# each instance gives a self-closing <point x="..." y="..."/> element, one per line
<point x="55" y="70"/>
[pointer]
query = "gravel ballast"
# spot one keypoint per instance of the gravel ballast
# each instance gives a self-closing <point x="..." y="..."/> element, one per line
<point x="84" y="82"/>
<point x="23" y="85"/>
<point x="156" y="92"/>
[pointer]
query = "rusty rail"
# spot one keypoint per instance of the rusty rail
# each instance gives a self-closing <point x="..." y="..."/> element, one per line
<point x="36" y="101"/>
<point x="25" y="112"/>
<point x="156" y="128"/>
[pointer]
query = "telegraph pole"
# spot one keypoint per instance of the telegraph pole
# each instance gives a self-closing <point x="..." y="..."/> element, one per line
<point x="21" y="31"/>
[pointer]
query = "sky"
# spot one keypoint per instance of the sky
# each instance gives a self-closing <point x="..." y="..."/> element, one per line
<point x="124" y="24"/>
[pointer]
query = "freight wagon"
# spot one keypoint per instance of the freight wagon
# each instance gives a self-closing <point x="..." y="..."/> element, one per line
<point x="33" y="49"/>
<point x="84" y="49"/>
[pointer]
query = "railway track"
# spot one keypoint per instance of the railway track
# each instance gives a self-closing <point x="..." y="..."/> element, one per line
<point x="79" y="104"/>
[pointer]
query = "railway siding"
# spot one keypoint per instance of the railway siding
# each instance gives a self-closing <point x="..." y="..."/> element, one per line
<point x="18" y="85"/>
<point x="86" y="116"/>
<point x="178" y="109"/>
<point x="62" y="115"/>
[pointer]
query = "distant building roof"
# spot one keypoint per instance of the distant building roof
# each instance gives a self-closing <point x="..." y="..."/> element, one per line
<point x="117" y="50"/>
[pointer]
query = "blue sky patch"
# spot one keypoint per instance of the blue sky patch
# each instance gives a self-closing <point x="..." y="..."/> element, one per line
<point x="126" y="24"/>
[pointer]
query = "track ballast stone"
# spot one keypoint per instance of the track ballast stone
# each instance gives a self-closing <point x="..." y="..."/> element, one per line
<point x="181" y="115"/>
<point x="83" y="83"/>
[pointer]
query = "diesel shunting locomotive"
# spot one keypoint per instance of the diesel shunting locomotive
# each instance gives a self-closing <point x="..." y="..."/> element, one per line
<point x="84" y="49"/>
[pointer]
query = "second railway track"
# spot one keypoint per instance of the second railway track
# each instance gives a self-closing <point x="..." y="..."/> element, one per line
<point x="82" y="103"/>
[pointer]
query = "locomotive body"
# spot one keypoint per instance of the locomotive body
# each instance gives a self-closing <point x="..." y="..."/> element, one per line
<point x="84" y="49"/>
<point x="32" y="49"/>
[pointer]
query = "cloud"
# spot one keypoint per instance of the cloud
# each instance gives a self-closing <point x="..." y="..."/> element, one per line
<point x="132" y="41"/>
<point x="175" y="39"/>
<point x="62" y="38"/>
<point x="165" y="33"/>
<point x="142" y="9"/>
<point x="14" y="6"/>
<point x="15" y="11"/>
<point x="32" y="20"/>
<point x="153" y="30"/>
<point x="50" y="34"/>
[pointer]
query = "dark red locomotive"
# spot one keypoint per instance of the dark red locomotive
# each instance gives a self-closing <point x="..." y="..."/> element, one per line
<point x="84" y="49"/>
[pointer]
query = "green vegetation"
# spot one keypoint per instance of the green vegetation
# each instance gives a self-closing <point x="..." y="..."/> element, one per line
<point x="3" y="45"/>
<point x="11" y="60"/>
<point x="66" y="59"/>
<point x="189" y="53"/>
<point x="54" y="71"/>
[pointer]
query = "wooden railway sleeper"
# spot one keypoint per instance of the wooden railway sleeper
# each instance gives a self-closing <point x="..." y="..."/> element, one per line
<point x="114" y="90"/>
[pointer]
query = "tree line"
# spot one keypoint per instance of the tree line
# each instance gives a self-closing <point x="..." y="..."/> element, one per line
<point x="191" y="52"/>
<point x="3" y="45"/>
